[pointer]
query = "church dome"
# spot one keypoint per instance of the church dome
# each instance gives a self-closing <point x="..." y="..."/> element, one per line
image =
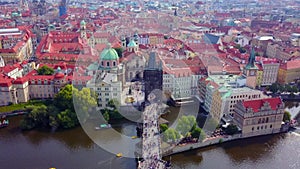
<point x="132" y="44"/>
<point x="82" y="23"/>
<point x="109" y="54"/>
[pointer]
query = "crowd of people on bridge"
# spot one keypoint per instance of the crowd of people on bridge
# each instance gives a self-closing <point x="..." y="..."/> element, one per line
<point x="151" y="141"/>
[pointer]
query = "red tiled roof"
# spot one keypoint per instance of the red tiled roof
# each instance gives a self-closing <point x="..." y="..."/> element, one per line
<point x="5" y="81"/>
<point x="20" y="80"/>
<point x="255" y="105"/>
<point x="59" y="76"/>
<point x="293" y="64"/>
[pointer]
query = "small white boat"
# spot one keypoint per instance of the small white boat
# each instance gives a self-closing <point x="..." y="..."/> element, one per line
<point x="103" y="126"/>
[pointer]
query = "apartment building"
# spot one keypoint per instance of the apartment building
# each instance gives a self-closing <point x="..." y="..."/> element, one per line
<point x="259" y="117"/>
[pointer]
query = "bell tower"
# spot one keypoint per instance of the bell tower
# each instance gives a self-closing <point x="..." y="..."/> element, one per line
<point x="250" y="70"/>
<point x="83" y="34"/>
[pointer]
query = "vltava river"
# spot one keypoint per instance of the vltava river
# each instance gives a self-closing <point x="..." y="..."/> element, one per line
<point x="72" y="149"/>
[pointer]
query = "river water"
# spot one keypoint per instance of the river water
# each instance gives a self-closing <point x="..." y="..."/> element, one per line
<point x="73" y="149"/>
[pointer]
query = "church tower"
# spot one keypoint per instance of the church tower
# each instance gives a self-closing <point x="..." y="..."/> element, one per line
<point x="83" y="34"/>
<point x="136" y="38"/>
<point x="132" y="46"/>
<point x="123" y="41"/>
<point x="250" y="70"/>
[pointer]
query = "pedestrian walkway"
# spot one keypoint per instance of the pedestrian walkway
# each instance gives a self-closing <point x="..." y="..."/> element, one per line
<point x="151" y="151"/>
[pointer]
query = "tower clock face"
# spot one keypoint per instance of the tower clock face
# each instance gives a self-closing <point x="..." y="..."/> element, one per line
<point x="252" y="73"/>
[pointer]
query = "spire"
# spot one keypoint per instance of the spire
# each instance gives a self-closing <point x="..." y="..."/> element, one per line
<point x="251" y="59"/>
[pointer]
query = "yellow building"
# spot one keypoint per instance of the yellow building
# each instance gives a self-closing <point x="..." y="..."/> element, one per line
<point x="216" y="106"/>
<point x="259" y="76"/>
<point x="289" y="71"/>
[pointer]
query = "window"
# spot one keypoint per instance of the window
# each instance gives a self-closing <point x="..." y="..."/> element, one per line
<point x="267" y="119"/>
<point x="271" y="126"/>
<point x="114" y="63"/>
<point x="252" y="128"/>
<point x="107" y="63"/>
<point x="257" y="127"/>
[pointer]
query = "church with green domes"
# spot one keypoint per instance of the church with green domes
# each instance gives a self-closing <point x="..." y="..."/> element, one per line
<point x="108" y="76"/>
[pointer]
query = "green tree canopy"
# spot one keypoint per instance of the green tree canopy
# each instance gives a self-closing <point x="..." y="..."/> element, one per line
<point x="198" y="133"/>
<point x="163" y="127"/>
<point x="37" y="117"/>
<point x="274" y="87"/>
<point x="67" y="119"/>
<point x="84" y="102"/>
<point x="231" y="129"/>
<point x="286" y="116"/>
<point x="171" y="135"/>
<point x="185" y="124"/>
<point x="61" y="113"/>
<point x="45" y="70"/>
<point x="64" y="98"/>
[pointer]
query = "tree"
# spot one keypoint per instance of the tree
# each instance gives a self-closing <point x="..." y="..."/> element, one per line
<point x="84" y="101"/>
<point x="198" y="133"/>
<point x="288" y="88"/>
<point x="45" y="70"/>
<point x="185" y="124"/>
<point x="294" y="89"/>
<point x="163" y="127"/>
<point x="106" y="116"/>
<point x="286" y="116"/>
<point x="64" y="98"/>
<point x="274" y="88"/>
<point x="40" y="116"/>
<point x="67" y="119"/>
<point x="37" y="117"/>
<point x="231" y="129"/>
<point x="171" y="135"/>
<point x="119" y="51"/>
<point x="113" y="103"/>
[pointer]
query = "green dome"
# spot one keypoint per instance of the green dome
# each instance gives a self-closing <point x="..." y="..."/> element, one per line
<point x="58" y="69"/>
<point x="82" y="22"/>
<point x="51" y="27"/>
<point x="132" y="44"/>
<point x="109" y="54"/>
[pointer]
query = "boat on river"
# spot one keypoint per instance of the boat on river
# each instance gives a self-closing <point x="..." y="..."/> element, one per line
<point x="103" y="126"/>
<point x="119" y="155"/>
<point x="3" y="122"/>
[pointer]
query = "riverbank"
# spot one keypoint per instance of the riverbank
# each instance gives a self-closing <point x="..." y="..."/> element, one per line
<point x="212" y="142"/>
<point x="13" y="109"/>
